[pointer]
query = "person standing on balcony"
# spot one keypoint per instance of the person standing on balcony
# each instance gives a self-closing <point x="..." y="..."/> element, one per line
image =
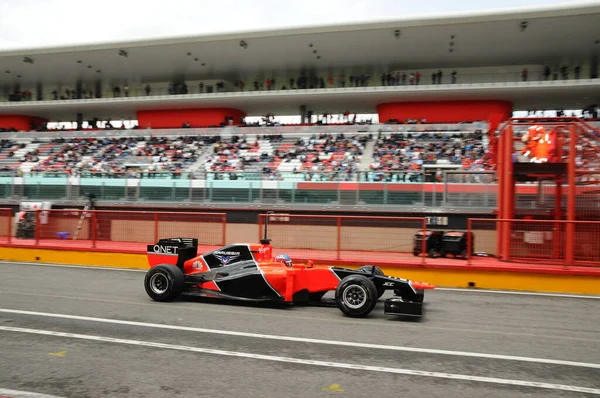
<point x="524" y="74"/>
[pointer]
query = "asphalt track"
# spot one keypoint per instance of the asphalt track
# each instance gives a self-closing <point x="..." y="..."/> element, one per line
<point x="89" y="332"/>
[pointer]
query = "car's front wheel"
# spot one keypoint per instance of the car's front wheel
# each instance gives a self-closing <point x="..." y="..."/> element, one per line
<point x="356" y="296"/>
<point x="164" y="282"/>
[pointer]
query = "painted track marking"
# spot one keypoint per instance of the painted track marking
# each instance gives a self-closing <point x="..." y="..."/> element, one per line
<point x="24" y="394"/>
<point x="219" y="310"/>
<point x="307" y="340"/>
<point x="338" y="365"/>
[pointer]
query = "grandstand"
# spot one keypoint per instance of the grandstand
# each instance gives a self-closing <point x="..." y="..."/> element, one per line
<point x="437" y="148"/>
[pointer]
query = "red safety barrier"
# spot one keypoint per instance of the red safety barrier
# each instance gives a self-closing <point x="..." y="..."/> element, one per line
<point x="557" y="242"/>
<point x="119" y="231"/>
<point x="345" y="238"/>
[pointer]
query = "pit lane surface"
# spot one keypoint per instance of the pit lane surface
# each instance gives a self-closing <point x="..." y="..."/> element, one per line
<point x="87" y="332"/>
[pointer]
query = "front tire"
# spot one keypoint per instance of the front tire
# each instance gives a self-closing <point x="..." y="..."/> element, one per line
<point x="374" y="270"/>
<point x="164" y="282"/>
<point x="356" y="296"/>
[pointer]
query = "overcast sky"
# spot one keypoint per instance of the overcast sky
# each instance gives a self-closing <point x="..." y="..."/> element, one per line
<point x="46" y="23"/>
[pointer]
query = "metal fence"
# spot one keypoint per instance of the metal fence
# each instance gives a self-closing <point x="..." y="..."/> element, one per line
<point x="344" y="238"/>
<point x="107" y="230"/>
<point x="556" y="242"/>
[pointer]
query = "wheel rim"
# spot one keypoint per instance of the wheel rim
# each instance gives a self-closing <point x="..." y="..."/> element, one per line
<point x="159" y="283"/>
<point x="354" y="296"/>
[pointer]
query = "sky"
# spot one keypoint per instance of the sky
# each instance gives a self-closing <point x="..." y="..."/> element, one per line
<point x="47" y="23"/>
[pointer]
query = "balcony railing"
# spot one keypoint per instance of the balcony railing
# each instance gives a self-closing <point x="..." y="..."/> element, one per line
<point x="487" y="80"/>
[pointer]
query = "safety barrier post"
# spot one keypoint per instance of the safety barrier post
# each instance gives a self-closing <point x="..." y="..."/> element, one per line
<point x="94" y="228"/>
<point x="155" y="227"/>
<point x="469" y="240"/>
<point x="260" y="227"/>
<point x="10" y="222"/>
<point x="424" y="242"/>
<point x="339" y="237"/>
<point x="37" y="227"/>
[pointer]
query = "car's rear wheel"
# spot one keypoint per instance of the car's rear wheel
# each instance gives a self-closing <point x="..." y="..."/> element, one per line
<point x="356" y="296"/>
<point x="164" y="282"/>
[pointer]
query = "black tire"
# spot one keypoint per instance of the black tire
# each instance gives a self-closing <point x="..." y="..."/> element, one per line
<point x="464" y="255"/>
<point x="371" y="269"/>
<point x="433" y="253"/>
<point x="443" y="253"/>
<point x="356" y="296"/>
<point x="416" y="253"/>
<point x="374" y="270"/>
<point x="164" y="282"/>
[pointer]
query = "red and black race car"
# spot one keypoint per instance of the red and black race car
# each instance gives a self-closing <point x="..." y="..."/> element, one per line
<point x="250" y="272"/>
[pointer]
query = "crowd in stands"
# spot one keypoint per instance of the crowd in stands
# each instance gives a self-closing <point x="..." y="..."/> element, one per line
<point x="117" y="155"/>
<point x="272" y="154"/>
<point x="316" y="157"/>
<point x="409" y="153"/>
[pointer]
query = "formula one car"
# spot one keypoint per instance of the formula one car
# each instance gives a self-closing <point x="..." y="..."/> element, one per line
<point x="249" y="272"/>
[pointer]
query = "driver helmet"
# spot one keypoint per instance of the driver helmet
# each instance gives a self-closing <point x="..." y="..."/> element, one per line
<point x="284" y="258"/>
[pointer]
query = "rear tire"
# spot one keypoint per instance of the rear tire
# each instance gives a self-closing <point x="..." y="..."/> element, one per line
<point x="164" y="282"/>
<point x="356" y="296"/>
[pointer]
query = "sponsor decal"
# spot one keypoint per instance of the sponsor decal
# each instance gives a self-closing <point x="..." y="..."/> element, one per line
<point x="197" y="265"/>
<point x="263" y="250"/>
<point x="165" y="249"/>
<point x="226" y="257"/>
<point x="388" y="284"/>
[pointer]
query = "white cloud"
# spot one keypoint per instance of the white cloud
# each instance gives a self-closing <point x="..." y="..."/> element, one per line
<point x="44" y="23"/>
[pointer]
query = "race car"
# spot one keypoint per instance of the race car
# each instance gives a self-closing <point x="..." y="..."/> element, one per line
<point x="250" y="272"/>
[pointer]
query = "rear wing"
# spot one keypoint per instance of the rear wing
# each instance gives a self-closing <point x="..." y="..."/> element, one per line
<point x="174" y="251"/>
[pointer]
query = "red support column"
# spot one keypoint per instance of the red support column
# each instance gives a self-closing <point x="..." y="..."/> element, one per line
<point x="508" y="191"/>
<point x="571" y="168"/>
<point x="500" y="194"/>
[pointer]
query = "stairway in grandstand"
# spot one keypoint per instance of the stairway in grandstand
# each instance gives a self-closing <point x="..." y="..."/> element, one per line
<point x="367" y="158"/>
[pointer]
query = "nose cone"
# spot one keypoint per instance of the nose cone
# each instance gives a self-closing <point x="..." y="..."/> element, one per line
<point x="422" y="285"/>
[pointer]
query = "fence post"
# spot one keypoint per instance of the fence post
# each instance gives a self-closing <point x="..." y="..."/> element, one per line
<point x="224" y="222"/>
<point x="339" y="237"/>
<point x="469" y="240"/>
<point x="10" y="223"/>
<point x="424" y="242"/>
<point x="260" y="227"/>
<point x="94" y="228"/>
<point x="37" y="227"/>
<point x="155" y="227"/>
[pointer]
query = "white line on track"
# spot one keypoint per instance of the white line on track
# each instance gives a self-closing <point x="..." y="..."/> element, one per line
<point x="448" y="289"/>
<point x="306" y="340"/>
<point x="339" y="365"/>
<point x="23" y="394"/>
